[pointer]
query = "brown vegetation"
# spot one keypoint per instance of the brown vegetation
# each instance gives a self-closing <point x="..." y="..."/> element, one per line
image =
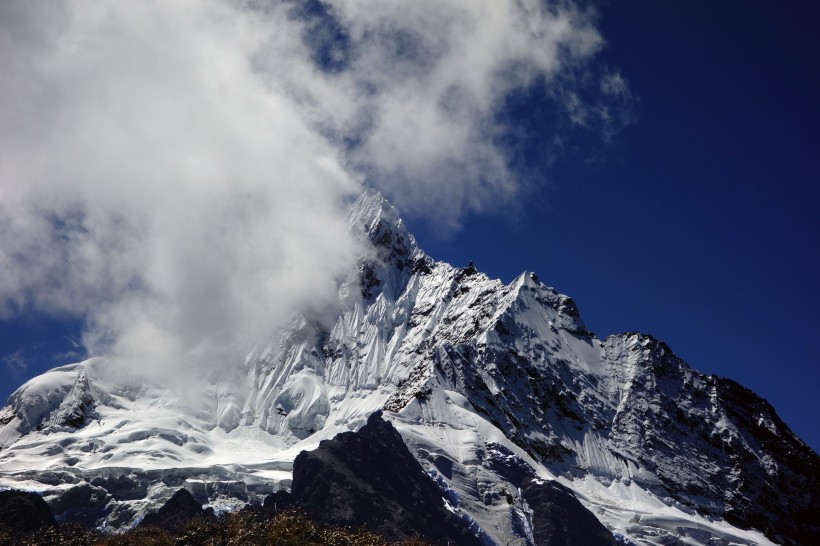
<point x="289" y="528"/>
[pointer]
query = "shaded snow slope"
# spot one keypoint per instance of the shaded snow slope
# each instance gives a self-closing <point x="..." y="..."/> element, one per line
<point x="490" y="385"/>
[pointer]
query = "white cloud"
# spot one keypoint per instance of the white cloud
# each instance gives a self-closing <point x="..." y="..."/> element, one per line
<point x="425" y="81"/>
<point x="176" y="170"/>
<point x="155" y="183"/>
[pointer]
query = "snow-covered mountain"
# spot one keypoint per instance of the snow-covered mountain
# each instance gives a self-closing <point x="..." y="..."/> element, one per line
<point x="490" y="386"/>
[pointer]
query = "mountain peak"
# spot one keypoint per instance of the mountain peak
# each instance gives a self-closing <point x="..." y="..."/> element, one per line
<point x="375" y="220"/>
<point x="368" y="206"/>
<point x="486" y="384"/>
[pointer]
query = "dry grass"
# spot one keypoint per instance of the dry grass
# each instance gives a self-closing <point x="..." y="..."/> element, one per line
<point x="289" y="528"/>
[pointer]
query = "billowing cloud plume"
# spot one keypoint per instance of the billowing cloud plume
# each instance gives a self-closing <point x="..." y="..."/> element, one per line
<point x="415" y="88"/>
<point x="154" y="183"/>
<point x="173" y="171"/>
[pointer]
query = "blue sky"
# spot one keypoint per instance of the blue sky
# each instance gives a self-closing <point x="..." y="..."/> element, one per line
<point x="697" y="221"/>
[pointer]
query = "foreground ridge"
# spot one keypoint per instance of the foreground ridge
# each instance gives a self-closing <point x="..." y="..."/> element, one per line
<point x="249" y="527"/>
<point x="492" y="387"/>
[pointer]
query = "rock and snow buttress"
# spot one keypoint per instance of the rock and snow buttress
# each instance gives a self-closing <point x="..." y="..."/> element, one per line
<point x="496" y="389"/>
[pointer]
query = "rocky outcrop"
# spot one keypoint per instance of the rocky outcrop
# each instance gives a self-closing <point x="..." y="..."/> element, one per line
<point x="278" y="501"/>
<point x="558" y="519"/>
<point x="83" y="504"/>
<point x="23" y="512"/>
<point x="370" y="479"/>
<point x="176" y="513"/>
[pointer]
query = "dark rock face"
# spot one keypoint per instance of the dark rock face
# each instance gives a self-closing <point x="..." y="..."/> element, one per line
<point x="278" y="501"/>
<point x="23" y="512"/>
<point x="715" y="446"/>
<point x="559" y="519"/>
<point x="176" y="513"/>
<point x="740" y="453"/>
<point x="82" y="504"/>
<point x="782" y="500"/>
<point x="369" y="478"/>
<point x="122" y="487"/>
<point x="80" y="407"/>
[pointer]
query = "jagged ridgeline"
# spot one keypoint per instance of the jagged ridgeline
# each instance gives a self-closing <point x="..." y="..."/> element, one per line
<point x="508" y="403"/>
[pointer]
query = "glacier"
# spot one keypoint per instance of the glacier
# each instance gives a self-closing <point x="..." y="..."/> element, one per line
<point x="490" y="385"/>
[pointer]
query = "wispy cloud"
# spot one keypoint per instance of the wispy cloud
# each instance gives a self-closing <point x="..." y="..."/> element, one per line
<point x="16" y="364"/>
<point x="422" y="83"/>
<point x="177" y="170"/>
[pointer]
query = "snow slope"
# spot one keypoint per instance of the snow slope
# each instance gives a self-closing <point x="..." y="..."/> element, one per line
<point x="490" y="385"/>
